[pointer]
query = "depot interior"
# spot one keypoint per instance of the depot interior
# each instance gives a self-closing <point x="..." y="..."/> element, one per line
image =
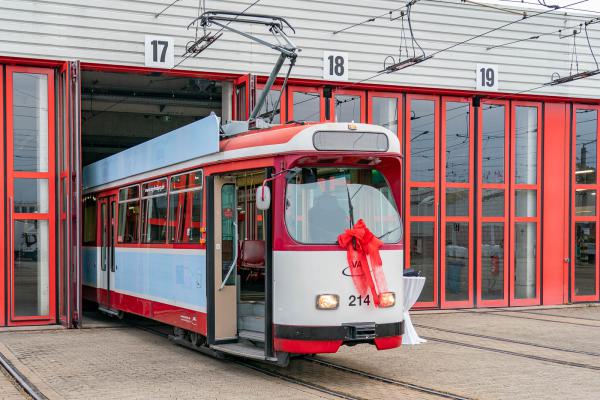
<point x="121" y="110"/>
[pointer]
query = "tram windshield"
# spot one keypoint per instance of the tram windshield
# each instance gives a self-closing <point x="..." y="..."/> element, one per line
<point x="322" y="202"/>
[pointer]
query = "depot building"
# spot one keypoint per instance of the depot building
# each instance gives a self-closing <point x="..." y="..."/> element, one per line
<point x="499" y="136"/>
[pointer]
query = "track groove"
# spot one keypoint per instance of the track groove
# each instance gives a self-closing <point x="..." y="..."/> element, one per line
<point x="499" y="339"/>
<point x="516" y="354"/>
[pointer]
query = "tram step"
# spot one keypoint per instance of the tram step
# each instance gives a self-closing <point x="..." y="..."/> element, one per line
<point x="243" y="350"/>
<point x="251" y="323"/>
<point x="251" y="308"/>
<point x="252" y="335"/>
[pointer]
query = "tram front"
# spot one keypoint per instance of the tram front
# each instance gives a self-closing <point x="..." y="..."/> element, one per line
<point x="338" y="243"/>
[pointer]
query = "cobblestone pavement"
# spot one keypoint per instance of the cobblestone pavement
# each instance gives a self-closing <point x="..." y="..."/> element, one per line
<point x="537" y="353"/>
<point x="8" y="391"/>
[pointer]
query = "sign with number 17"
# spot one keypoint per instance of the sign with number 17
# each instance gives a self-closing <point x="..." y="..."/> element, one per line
<point x="159" y="51"/>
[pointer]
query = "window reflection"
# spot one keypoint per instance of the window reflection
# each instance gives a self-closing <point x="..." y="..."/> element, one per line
<point x="457" y="261"/>
<point x="585" y="146"/>
<point x="422" y="131"/>
<point x="492" y="143"/>
<point x="457" y="142"/>
<point x="266" y="111"/>
<point x="525" y="260"/>
<point x="30" y="122"/>
<point x="421" y="201"/>
<point x="306" y="106"/>
<point x="585" y="258"/>
<point x="585" y="202"/>
<point x="385" y="112"/>
<point x="347" y="108"/>
<point x="421" y="255"/>
<point x="526" y="132"/>
<point x="492" y="261"/>
<point x="457" y="202"/>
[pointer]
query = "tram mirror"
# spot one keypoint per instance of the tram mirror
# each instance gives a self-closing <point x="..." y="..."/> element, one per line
<point x="263" y="197"/>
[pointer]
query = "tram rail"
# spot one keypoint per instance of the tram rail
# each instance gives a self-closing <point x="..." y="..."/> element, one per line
<point x="20" y="381"/>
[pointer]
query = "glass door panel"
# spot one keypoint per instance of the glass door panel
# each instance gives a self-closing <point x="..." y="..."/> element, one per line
<point x="584" y="228"/>
<point x="349" y="106"/>
<point x="525" y="204"/>
<point x="305" y="104"/>
<point x="492" y="204"/>
<point x="456" y="192"/>
<point x="422" y="150"/>
<point x="384" y="110"/>
<point x="31" y="193"/>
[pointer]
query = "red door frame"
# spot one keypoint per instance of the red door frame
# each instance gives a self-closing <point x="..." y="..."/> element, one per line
<point x="481" y="219"/>
<point x="291" y="89"/>
<point x="50" y="177"/>
<point x="468" y="219"/>
<point x="574" y="218"/>
<point x="363" y="102"/>
<point x="432" y="185"/>
<point x="537" y="219"/>
<point x="2" y="210"/>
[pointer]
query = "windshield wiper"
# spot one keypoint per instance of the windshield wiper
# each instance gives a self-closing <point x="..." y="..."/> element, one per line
<point x="350" y="207"/>
<point x="390" y="231"/>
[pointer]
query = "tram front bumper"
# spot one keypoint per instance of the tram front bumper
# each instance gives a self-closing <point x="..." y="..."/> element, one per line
<point x="328" y="339"/>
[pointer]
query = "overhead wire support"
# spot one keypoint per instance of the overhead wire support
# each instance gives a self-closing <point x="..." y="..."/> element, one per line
<point x="372" y="19"/>
<point x="409" y="60"/>
<point x="578" y="75"/>
<point x="507" y="24"/>
<point x="165" y="9"/>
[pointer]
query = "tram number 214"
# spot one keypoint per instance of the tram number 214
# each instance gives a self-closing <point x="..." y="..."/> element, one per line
<point x="359" y="300"/>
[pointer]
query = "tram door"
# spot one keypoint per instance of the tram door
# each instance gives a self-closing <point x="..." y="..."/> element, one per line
<point x="225" y="255"/>
<point x="107" y="209"/>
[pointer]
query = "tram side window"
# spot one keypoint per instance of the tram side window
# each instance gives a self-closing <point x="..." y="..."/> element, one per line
<point x="154" y="211"/>
<point x="185" y="208"/>
<point x="129" y="211"/>
<point x="89" y="220"/>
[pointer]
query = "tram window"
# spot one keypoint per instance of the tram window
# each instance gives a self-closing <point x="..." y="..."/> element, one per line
<point x="129" y="211"/>
<point x="154" y="211"/>
<point x="89" y="220"/>
<point x="185" y="208"/>
<point x="317" y="206"/>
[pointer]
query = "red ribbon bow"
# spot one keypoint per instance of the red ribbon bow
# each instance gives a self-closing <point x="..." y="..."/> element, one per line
<point x="361" y="243"/>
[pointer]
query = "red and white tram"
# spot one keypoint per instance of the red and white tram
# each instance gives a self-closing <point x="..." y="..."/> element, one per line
<point x="280" y="241"/>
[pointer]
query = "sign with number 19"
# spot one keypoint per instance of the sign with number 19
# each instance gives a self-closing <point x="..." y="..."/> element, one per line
<point x="487" y="77"/>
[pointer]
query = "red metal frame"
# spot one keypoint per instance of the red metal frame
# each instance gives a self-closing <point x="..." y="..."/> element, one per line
<point x="444" y="219"/>
<point x="363" y="102"/>
<point x="433" y="185"/>
<point x="50" y="177"/>
<point x="575" y="218"/>
<point x="482" y="219"/>
<point x="514" y="219"/>
<point x="2" y="210"/>
<point x="304" y="89"/>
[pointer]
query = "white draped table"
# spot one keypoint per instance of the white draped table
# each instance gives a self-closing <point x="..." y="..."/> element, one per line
<point x="413" y="285"/>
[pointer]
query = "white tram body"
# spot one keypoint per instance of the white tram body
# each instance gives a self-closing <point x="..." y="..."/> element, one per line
<point x="172" y="232"/>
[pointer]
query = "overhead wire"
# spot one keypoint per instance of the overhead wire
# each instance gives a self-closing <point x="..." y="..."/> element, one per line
<point x="373" y="18"/>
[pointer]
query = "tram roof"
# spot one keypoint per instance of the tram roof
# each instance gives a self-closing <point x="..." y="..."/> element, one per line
<point x="152" y="158"/>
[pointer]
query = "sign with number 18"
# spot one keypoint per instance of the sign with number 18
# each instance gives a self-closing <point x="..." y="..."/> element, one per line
<point x="335" y="66"/>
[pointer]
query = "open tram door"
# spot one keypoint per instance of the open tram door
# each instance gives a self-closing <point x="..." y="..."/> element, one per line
<point x="239" y="317"/>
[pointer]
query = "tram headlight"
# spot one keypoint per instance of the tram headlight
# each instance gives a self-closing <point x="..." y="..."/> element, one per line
<point x="387" y="299"/>
<point x="328" y="301"/>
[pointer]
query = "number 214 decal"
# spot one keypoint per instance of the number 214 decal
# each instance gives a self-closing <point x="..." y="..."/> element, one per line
<point x="354" y="301"/>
